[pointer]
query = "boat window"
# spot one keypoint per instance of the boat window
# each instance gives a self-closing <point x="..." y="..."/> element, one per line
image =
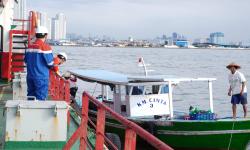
<point x="137" y="90"/>
<point x="155" y="89"/>
<point x="123" y="92"/>
<point x="116" y="90"/>
<point x="128" y="88"/>
<point x="152" y="89"/>
<point x="164" y="89"/>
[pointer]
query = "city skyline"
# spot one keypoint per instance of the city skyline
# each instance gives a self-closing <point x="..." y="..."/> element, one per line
<point x="56" y="25"/>
<point x="146" y="19"/>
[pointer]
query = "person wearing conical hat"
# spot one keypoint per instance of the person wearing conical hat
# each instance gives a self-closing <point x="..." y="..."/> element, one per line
<point x="237" y="89"/>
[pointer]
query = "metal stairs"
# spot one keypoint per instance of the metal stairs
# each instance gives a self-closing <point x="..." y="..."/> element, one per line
<point x="19" y="44"/>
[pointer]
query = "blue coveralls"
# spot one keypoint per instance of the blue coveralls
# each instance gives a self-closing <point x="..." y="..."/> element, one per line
<point x="39" y="59"/>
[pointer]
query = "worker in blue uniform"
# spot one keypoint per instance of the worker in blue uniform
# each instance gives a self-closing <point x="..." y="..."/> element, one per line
<point x="38" y="59"/>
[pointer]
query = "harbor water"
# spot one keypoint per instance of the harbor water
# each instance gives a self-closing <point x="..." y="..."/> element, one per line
<point x="176" y="62"/>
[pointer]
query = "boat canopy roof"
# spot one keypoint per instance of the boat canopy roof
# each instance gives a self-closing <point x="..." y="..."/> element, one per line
<point x="108" y="77"/>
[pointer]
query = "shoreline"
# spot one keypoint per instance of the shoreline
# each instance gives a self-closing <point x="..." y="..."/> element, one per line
<point x="152" y="47"/>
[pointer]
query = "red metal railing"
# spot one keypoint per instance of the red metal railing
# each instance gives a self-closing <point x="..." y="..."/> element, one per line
<point x="132" y="129"/>
<point x="22" y="21"/>
<point x="59" y="88"/>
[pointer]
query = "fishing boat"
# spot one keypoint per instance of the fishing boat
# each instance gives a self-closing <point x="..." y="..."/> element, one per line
<point x="148" y="101"/>
<point x="54" y="123"/>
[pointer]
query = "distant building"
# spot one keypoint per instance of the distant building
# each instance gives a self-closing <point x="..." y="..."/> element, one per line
<point x="44" y="20"/>
<point x="217" y="38"/>
<point x="20" y="9"/>
<point x="49" y="25"/>
<point x="62" y="25"/>
<point x="169" y="41"/>
<point x="182" y="43"/>
<point x="54" y="29"/>
<point x="164" y="37"/>
<point x="202" y="40"/>
<point x="130" y="39"/>
<point x="58" y="27"/>
<point x="178" y="37"/>
<point x="174" y="36"/>
<point x="72" y="36"/>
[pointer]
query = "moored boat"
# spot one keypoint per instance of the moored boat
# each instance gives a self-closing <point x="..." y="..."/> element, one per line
<point x="148" y="101"/>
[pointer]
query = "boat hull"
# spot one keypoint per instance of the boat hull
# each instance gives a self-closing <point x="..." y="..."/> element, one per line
<point x="227" y="134"/>
<point x="188" y="134"/>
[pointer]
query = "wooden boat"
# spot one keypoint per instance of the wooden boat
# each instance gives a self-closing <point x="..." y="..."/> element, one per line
<point x="148" y="101"/>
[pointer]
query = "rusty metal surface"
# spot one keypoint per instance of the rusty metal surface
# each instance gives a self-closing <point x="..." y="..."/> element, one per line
<point x="1" y="124"/>
<point x="5" y="93"/>
<point x="36" y="121"/>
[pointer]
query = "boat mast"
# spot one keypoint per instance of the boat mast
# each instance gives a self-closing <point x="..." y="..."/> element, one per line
<point x="210" y="96"/>
<point x="170" y="96"/>
<point x="144" y="66"/>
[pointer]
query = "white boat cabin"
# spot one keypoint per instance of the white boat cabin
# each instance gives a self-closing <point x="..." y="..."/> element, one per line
<point x="138" y="96"/>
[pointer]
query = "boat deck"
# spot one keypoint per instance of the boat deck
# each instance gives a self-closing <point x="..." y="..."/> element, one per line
<point x="5" y="94"/>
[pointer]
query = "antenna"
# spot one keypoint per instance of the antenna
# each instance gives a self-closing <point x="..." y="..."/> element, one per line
<point x="141" y="63"/>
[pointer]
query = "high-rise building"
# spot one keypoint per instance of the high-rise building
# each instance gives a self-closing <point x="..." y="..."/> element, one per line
<point x="164" y="37"/>
<point x="49" y="24"/>
<point x="58" y="27"/>
<point x="45" y="21"/>
<point x="62" y="25"/>
<point x="43" y="17"/>
<point x="20" y="10"/>
<point x="54" y="29"/>
<point x="217" y="38"/>
<point x="175" y="36"/>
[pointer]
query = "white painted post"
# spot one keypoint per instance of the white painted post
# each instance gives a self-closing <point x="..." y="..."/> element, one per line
<point x="170" y="95"/>
<point x="144" y="66"/>
<point x="107" y="93"/>
<point x="103" y="92"/>
<point x="117" y="99"/>
<point x="211" y="96"/>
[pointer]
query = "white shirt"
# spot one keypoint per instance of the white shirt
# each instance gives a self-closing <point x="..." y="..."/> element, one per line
<point x="235" y="81"/>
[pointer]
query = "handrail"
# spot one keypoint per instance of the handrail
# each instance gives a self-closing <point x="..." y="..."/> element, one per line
<point x="59" y="88"/>
<point x="32" y="26"/>
<point x="77" y="108"/>
<point x="30" y="31"/>
<point x="132" y="129"/>
<point x="22" y="21"/>
<point x="9" y="56"/>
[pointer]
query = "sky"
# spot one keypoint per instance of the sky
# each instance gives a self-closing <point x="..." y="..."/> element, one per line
<point x="145" y="19"/>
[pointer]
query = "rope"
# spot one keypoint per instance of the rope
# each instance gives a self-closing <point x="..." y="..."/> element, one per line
<point x="231" y="136"/>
